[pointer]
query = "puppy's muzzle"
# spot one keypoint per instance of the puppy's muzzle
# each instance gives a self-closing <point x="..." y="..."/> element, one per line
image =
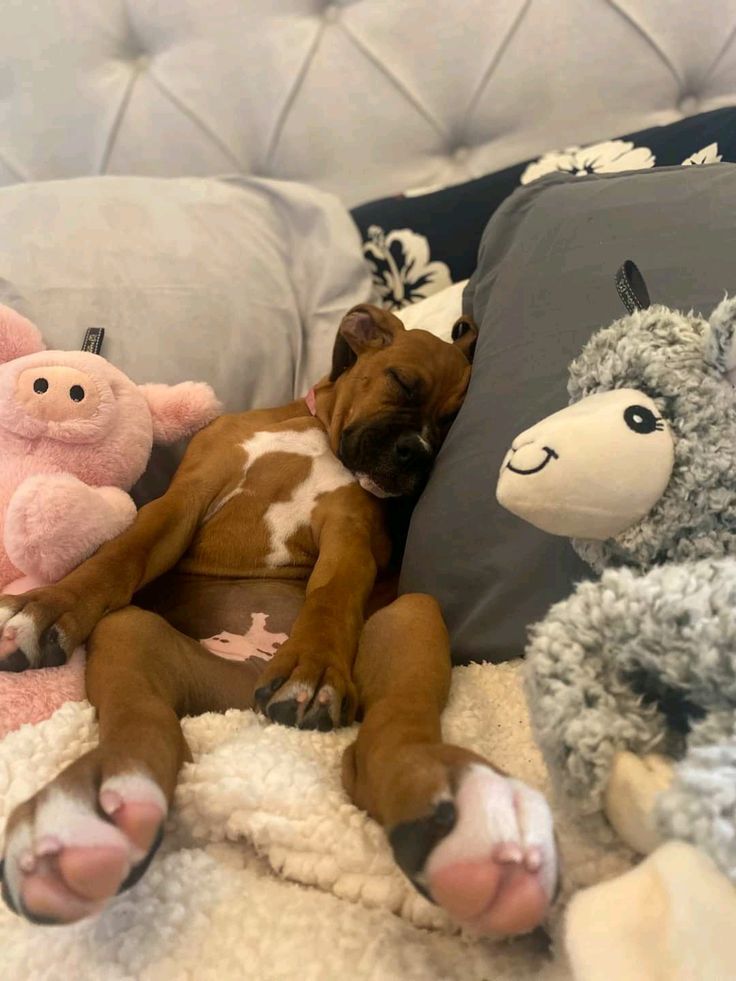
<point x="396" y="458"/>
<point x="413" y="451"/>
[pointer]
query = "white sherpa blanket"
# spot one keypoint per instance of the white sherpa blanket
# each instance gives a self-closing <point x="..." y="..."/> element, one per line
<point x="268" y="871"/>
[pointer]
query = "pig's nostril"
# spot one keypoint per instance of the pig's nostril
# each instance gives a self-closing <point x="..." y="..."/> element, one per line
<point x="76" y="393"/>
<point x="40" y="386"/>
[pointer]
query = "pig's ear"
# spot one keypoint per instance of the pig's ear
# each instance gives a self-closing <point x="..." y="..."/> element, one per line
<point x="180" y="410"/>
<point x="18" y="336"/>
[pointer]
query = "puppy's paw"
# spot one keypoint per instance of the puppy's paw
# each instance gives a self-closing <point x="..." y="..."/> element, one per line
<point x="78" y="842"/>
<point x="306" y="690"/>
<point x="632" y="789"/>
<point x="485" y="853"/>
<point x="37" y="630"/>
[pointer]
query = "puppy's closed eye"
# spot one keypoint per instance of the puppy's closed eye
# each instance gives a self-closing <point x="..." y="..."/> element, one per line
<point x="409" y="387"/>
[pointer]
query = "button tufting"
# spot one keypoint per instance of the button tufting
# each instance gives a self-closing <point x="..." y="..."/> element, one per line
<point x="331" y="13"/>
<point x="688" y="105"/>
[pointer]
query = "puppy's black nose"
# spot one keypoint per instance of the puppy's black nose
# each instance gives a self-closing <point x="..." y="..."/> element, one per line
<point x="410" y="450"/>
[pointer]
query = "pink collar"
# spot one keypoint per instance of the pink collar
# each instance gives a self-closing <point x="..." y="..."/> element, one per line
<point x="311" y="401"/>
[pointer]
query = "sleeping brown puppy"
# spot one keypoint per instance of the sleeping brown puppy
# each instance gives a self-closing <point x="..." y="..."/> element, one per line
<point x="281" y="514"/>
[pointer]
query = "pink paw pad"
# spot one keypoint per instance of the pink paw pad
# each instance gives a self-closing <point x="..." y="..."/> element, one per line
<point x="94" y="873"/>
<point x="63" y="860"/>
<point x="496" y="870"/>
<point x="491" y="897"/>
<point x="46" y="898"/>
<point x="8" y="641"/>
<point x="137" y="807"/>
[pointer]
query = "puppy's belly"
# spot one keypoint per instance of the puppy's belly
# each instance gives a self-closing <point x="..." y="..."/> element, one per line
<point x="234" y="618"/>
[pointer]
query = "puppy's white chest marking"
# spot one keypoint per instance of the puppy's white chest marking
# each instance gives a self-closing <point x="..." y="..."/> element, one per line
<point x="284" y="518"/>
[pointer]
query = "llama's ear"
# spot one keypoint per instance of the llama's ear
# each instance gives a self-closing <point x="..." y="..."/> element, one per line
<point x="720" y="352"/>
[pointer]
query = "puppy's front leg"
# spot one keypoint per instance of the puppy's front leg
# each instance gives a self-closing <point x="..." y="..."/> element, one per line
<point x="474" y="840"/>
<point x="309" y="682"/>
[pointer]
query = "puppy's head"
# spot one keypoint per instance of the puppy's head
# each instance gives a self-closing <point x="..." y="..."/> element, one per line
<point x="397" y="392"/>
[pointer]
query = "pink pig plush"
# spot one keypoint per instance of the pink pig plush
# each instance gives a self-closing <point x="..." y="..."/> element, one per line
<point x="75" y="435"/>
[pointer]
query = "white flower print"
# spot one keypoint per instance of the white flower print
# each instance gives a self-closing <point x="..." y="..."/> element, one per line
<point x="401" y="267"/>
<point x="418" y="192"/>
<point x="708" y="155"/>
<point x="600" y="158"/>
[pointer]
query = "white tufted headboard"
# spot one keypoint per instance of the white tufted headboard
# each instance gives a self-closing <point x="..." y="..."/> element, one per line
<point x="362" y="97"/>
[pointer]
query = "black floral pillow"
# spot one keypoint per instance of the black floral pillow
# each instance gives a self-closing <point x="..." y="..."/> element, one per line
<point x="417" y="244"/>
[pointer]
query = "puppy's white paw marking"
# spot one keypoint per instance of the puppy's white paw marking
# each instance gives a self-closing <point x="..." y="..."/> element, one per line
<point x="20" y="631"/>
<point x="300" y="691"/>
<point x="633" y="787"/>
<point x="61" y="844"/>
<point x="326" y="695"/>
<point x="135" y="788"/>
<point x="8" y="642"/>
<point x="59" y="820"/>
<point x="6" y="612"/>
<point x="19" y="855"/>
<point x="73" y="822"/>
<point x="138" y="806"/>
<point x="499" y="819"/>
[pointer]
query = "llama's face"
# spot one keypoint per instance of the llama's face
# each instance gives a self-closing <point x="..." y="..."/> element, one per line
<point x="591" y="470"/>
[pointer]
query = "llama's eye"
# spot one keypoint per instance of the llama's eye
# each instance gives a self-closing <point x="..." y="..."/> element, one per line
<point x="642" y="420"/>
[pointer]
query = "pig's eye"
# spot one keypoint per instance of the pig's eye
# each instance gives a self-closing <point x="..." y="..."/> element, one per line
<point x="76" y="393"/>
<point x="40" y="386"/>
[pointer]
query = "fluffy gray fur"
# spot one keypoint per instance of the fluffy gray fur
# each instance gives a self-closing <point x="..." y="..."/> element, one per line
<point x="678" y="361"/>
<point x="700" y="807"/>
<point x="645" y="658"/>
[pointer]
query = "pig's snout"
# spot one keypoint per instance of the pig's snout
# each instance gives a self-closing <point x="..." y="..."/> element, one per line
<point x="57" y="394"/>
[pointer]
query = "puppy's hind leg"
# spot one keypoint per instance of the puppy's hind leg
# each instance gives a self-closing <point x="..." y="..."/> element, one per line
<point x="92" y="831"/>
<point x="473" y="840"/>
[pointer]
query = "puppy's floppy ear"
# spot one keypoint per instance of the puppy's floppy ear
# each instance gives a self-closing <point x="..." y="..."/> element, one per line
<point x="363" y="327"/>
<point x="465" y="335"/>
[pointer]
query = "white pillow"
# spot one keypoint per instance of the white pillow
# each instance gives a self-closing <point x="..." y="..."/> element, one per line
<point x="239" y="282"/>
<point x="437" y="313"/>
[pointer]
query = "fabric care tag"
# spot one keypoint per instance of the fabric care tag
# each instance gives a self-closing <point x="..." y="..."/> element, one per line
<point x="93" y="339"/>
<point x="631" y="287"/>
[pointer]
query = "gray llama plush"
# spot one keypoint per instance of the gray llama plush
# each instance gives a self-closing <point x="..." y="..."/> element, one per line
<point x="631" y="681"/>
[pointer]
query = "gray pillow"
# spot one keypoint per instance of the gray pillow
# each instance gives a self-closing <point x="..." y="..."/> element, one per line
<point x="238" y="282"/>
<point x="544" y="283"/>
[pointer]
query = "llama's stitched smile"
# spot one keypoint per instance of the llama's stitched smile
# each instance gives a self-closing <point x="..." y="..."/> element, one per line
<point x="551" y="455"/>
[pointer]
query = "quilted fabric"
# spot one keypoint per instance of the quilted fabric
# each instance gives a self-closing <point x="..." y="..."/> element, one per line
<point x="360" y="97"/>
